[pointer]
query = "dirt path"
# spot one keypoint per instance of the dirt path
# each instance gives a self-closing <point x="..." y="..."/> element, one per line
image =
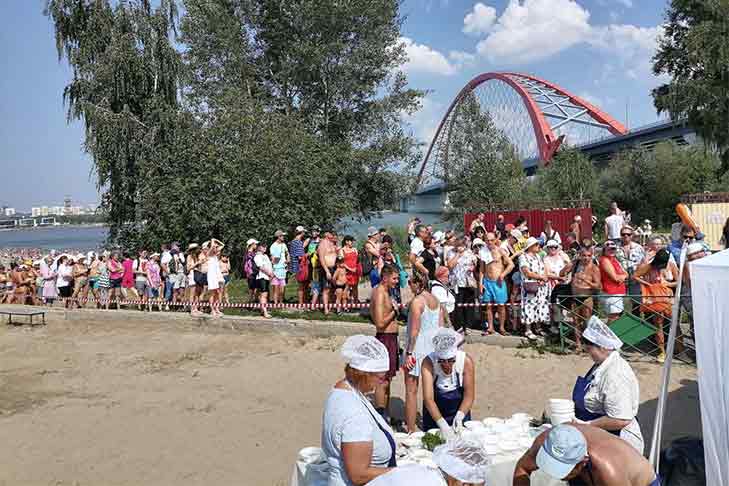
<point x="135" y="402"/>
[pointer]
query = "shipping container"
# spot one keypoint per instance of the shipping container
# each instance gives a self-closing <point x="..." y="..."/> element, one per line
<point x="710" y="211"/>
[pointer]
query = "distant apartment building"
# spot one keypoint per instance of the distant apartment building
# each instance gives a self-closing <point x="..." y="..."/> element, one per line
<point x="9" y="211"/>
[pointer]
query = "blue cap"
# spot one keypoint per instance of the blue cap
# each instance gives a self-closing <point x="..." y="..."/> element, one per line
<point x="564" y="448"/>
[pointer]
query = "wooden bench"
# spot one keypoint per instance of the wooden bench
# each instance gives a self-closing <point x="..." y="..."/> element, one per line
<point x="30" y="313"/>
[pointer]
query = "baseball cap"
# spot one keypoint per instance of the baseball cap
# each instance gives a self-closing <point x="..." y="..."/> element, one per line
<point x="478" y="242"/>
<point x="251" y="241"/>
<point x="516" y="234"/>
<point x="552" y="244"/>
<point x="372" y="231"/>
<point x="300" y="229"/>
<point x="279" y="233"/>
<point x="564" y="448"/>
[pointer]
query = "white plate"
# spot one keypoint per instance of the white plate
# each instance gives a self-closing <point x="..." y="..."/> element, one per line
<point x="473" y="425"/>
<point x="421" y="454"/>
<point x="491" y="421"/>
<point x="412" y="442"/>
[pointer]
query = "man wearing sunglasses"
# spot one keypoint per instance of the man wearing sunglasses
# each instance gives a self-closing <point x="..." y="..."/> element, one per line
<point x="630" y="254"/>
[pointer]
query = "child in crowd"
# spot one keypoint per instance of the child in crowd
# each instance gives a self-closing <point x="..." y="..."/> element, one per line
<point x="514" y="304"/>
<point x="340" y="284"/>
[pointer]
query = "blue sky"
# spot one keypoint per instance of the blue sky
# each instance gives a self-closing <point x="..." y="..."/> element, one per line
<point x="597" y="49"/>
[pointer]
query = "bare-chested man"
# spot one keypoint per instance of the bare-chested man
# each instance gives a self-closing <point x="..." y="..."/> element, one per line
<point x="384" y="311"/>
<point x="495" y="266"/>
<point x="585" y="282"/>
<point x="327" y="253"/>
<point x="583" y="455"/>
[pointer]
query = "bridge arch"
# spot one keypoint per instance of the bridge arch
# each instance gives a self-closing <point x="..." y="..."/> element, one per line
<point x="554" y="115"/>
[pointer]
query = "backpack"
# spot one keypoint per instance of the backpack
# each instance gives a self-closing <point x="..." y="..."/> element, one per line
<point x="365" y="259"/>
<point x="250" y="268"/>
<point x="303" y="274"/>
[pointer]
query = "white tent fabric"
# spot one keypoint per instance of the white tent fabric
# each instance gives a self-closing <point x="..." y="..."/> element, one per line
<point x="710" y="292"/>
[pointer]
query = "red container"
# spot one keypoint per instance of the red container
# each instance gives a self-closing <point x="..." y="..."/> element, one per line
<point x="535" y="218"/>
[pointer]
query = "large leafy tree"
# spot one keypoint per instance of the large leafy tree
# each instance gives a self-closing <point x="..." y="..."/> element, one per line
<point x="260" y="115"/>
<point x="570" y="175"/>
<point x="694" y="52"/>
<point x="124" y="89"/>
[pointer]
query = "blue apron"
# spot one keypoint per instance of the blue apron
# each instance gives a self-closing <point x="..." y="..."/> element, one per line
<point x="393" y="460"/>
<point x="448" y="404"/>
<point x="583" y="384"/>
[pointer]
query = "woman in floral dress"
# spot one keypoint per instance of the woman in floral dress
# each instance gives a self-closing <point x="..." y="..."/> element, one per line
<point x="534" y="289"/>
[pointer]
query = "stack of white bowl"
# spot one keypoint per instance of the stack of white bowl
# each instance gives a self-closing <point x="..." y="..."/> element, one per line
<point x="560" y="410"/>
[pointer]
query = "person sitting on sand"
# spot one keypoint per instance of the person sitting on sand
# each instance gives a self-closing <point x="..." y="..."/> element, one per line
<point x="583" y="455"/>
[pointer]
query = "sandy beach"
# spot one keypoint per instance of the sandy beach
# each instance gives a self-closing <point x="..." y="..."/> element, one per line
<point x="141" y="402"/>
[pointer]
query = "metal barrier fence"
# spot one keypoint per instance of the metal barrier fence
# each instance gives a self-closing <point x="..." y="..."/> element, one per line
<point x="643" y="325"/>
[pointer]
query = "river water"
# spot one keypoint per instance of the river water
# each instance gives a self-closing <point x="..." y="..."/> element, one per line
<point x="92" y="237"/>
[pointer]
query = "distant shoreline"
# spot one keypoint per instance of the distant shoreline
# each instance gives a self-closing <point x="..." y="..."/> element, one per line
<point x="60" y="226"/>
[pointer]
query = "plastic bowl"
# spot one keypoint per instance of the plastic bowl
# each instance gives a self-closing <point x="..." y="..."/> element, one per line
<point x="311" y="455"/>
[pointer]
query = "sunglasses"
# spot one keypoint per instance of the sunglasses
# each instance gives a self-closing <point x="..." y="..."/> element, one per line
<point x="626" y="234"/>
<point x="450" y="360"/>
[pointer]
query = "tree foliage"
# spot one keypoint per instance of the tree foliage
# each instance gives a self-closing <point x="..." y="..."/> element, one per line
<point x="570" y="175"/>
<point x="260" y="115"/>
<point x="694" y="52"/>
<point x="651" y="183"/>
<point x="482" y="166"/>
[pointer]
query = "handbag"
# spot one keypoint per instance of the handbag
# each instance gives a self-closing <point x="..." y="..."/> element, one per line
<point x="531" y="288"/>
<point x="303" y="274"/>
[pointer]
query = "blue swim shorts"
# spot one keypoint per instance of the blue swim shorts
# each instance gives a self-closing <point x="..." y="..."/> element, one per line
<point x="493" y="293"/>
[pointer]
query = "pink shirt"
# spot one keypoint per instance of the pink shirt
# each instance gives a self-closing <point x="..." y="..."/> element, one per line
<point x="128" y="278"/>
<point x="153" y="278"/>
<point x="115" y="270"/>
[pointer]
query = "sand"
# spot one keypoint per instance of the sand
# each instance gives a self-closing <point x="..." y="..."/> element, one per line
<point x="140" y="402"/>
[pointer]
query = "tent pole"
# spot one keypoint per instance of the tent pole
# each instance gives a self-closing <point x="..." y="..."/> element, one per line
<point x="655" y="452"/>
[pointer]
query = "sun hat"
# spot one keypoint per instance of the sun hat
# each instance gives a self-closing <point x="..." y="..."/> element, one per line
<point x="463" y="461"/>
<point x="599" y="333"/>
<point x="154" y="255"/>
<point x="279" y="233"/>
<point x="478" y="242"/>
<point x="564" y="448"/>
<point x="530" y="242"/>
<point x="610" y="244"/>
<point x="365" y="353"/>
<point x="516" y="234"/>
<point x="251" y="241"/>
<point x="372" y="231"/>
<point x="445" y="343"/>
<point x="438" y="236"/>
<point x="300" y="229"/>
<point x="192" y="246"/>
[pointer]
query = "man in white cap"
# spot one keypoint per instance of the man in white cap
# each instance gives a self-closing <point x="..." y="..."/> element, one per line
<point x="584" y="455"/>
<point x="459" y="463"/>
<point x="448" y="376"/>
<point x="608" y="396"/>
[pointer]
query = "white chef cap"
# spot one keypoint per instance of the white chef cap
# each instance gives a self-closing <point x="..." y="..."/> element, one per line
<point x="463" y="461"/>
<point x="365" y="353"/>
<point x="445" y="343"/>
<point x="600" y="334"/>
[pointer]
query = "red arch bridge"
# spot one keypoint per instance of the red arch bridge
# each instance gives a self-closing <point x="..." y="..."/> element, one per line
<point x="536" y="116"/>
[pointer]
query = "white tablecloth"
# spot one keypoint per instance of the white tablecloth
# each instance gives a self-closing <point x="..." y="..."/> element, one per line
<point x="499" y="475"/>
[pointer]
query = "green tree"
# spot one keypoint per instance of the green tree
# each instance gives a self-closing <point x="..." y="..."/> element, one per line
<point x="124" y="89"/>
<point x="570" y="175"/>
<point x="480" y="165"/>
<point x="694" y="52"/>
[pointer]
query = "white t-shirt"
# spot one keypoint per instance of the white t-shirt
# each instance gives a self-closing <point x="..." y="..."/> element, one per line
<point x="408" y="476"/>
<point x="349" y="417"/>
<point x="485" y="255"/>
<point x="555" y="237"/>
<point x="165" y="258"/>
<point x="445" y="297"/>
<point x="615" y="392"/>
<point x="614" y="223"/>
<point x="262" y="261"/>
<point x="416" y="246"/>
<point x="63" y="271"/>
<point x="140" y="277"/>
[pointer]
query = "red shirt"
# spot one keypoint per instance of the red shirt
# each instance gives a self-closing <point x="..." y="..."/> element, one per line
<point x="610" y="286"/>
<point x="128" y="277"/>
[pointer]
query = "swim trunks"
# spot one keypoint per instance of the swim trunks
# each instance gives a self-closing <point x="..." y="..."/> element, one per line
<point x="493" y="293"/>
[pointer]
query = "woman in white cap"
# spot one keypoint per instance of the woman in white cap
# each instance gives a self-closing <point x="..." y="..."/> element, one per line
<point x="215" y="278"/>
<point x="534" y="288"/>
<point x="460" y="463"/>
<point x="608" y="396"/>
<point x="425" y="317"/>
<point x="448" y="384"/>
<point x="359" y="445"/>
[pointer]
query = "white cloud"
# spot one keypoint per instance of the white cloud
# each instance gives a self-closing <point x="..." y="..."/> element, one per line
<point x="592" y="99"/>
<point x="480" y="20"/>
<point x="424" y="122"/>
<point x="627" y="3"/>
<point x="530" y="30"/>
<point x="462" y="59"/>
<point x="424" y="59"/>
<point x="632" y="46"/>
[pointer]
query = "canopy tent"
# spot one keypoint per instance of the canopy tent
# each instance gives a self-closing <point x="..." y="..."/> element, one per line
<point x="710" y="293"/>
